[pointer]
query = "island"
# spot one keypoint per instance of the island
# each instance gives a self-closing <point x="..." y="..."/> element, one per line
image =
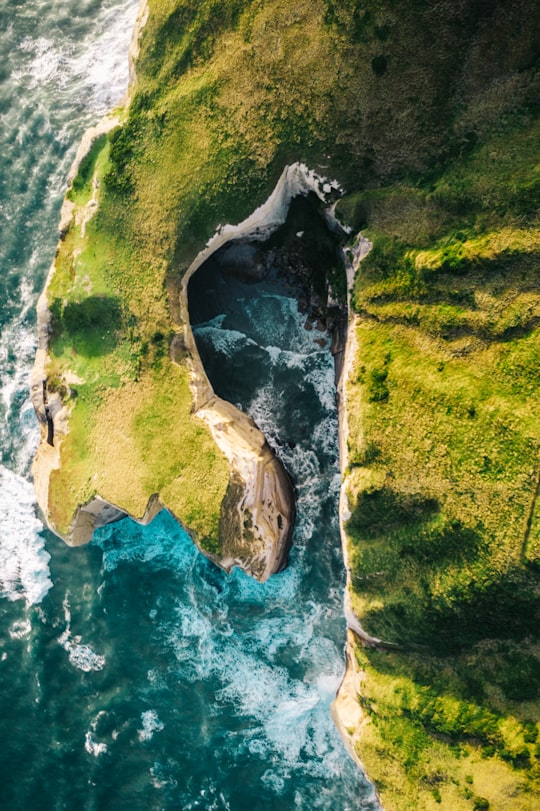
<point x="414" y="127"/>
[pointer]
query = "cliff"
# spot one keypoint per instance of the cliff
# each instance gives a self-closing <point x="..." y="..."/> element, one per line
<point x="427" y="115"/>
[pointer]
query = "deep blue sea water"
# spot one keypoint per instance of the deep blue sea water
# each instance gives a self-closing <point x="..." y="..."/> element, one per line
<point x="133" y="673"/>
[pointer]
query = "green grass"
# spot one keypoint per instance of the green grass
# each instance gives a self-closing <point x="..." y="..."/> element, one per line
<point x="434" y="735"/>
<point x="131" y="433"/>
<point x="131" y="441"/>
<point x="443" y="478"/>
<point x="80" y="191"/>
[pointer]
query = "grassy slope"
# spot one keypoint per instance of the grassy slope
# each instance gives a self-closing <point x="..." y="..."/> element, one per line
<point x="426" y="108"/>
<point x="131" y="429"/>
<point x="444" y="454"/>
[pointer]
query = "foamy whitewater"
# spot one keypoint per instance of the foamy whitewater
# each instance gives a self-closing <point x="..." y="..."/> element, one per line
<point x="24" y="563"/>
<point x="133" y="673"/>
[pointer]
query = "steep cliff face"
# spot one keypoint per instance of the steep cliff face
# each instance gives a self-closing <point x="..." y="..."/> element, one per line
<point x="427" y="115"/>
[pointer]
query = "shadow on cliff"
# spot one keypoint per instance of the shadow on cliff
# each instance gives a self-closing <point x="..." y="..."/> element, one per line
<point x="430" y="578"/>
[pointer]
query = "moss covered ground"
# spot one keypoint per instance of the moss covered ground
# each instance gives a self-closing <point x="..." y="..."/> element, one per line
<point x="426" y="114"/>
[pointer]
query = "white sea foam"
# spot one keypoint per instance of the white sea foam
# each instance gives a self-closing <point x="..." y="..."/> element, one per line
<point x="105" y="66"/>
<point x="328" y="684"/>
<point x="325" y="435"/>
<point x="209" y="799"/>
<point x="100" y="69"/>
<point x="195" y="641"/>
<point x="303" y="636"/>
<point x="284" y="357"/>
<point x="25" y="424"/>
<point x="273" y="781"/>
<point x="150" y="724"/>
<point x="262" y="411"/>
<point x="275" y="320"/>
<point x="101" y="728"/>
<point x="285" y="717"/>
<point x="223" y="341"/>
<point x="20" y="629"/>
<point x="321" y="377"/>
<point x="84" y="658"/>
<point x="80" y="656"/>
<point x="17" y="349"/>
<point x="45" y="60"/>
<point x="93" y="747"/>
<point x="288" y="717"/>
<point x="24" y="562"/>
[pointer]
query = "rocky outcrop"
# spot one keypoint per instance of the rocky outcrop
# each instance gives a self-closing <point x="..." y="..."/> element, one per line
<point x="257" y="516"/>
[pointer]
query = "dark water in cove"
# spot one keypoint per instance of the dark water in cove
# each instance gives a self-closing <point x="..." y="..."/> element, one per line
<point x="133" y="673"/>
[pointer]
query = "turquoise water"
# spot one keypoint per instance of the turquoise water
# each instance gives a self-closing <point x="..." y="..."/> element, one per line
<point x="133" y="673"/>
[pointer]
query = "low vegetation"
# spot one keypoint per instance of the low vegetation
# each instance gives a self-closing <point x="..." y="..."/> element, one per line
<point x="132" y="433"/>
<point x="443" y="478"/>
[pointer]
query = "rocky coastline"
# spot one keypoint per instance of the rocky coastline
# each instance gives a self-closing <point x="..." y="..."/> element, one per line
<point x="346" y="710"/>
<point x="260" y="495"/>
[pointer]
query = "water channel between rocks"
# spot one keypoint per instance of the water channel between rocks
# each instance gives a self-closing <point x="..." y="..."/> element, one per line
<point x="266" y="338"/>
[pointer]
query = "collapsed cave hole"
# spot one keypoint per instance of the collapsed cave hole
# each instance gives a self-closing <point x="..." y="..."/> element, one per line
<point x="267" y="314"/>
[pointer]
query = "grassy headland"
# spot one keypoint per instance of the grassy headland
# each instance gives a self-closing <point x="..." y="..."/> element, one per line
<point x="443" y="481"/>
<point x="425" y="112"/>
<point x="131" y="429"/>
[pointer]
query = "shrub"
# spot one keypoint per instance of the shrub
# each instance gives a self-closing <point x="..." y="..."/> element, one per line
<point x="379" y="65"/>
<point x="377" y="389"/>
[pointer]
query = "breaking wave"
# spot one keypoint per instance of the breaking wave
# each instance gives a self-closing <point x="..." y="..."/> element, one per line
<point x="80" y="656"/>
<point x="24" y="562"/>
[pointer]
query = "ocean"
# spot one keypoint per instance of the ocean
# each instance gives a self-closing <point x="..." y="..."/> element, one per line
<point x="134" y="674"/>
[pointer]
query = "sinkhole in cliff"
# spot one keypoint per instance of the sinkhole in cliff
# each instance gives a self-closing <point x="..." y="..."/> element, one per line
<point x="269" y="320"/>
